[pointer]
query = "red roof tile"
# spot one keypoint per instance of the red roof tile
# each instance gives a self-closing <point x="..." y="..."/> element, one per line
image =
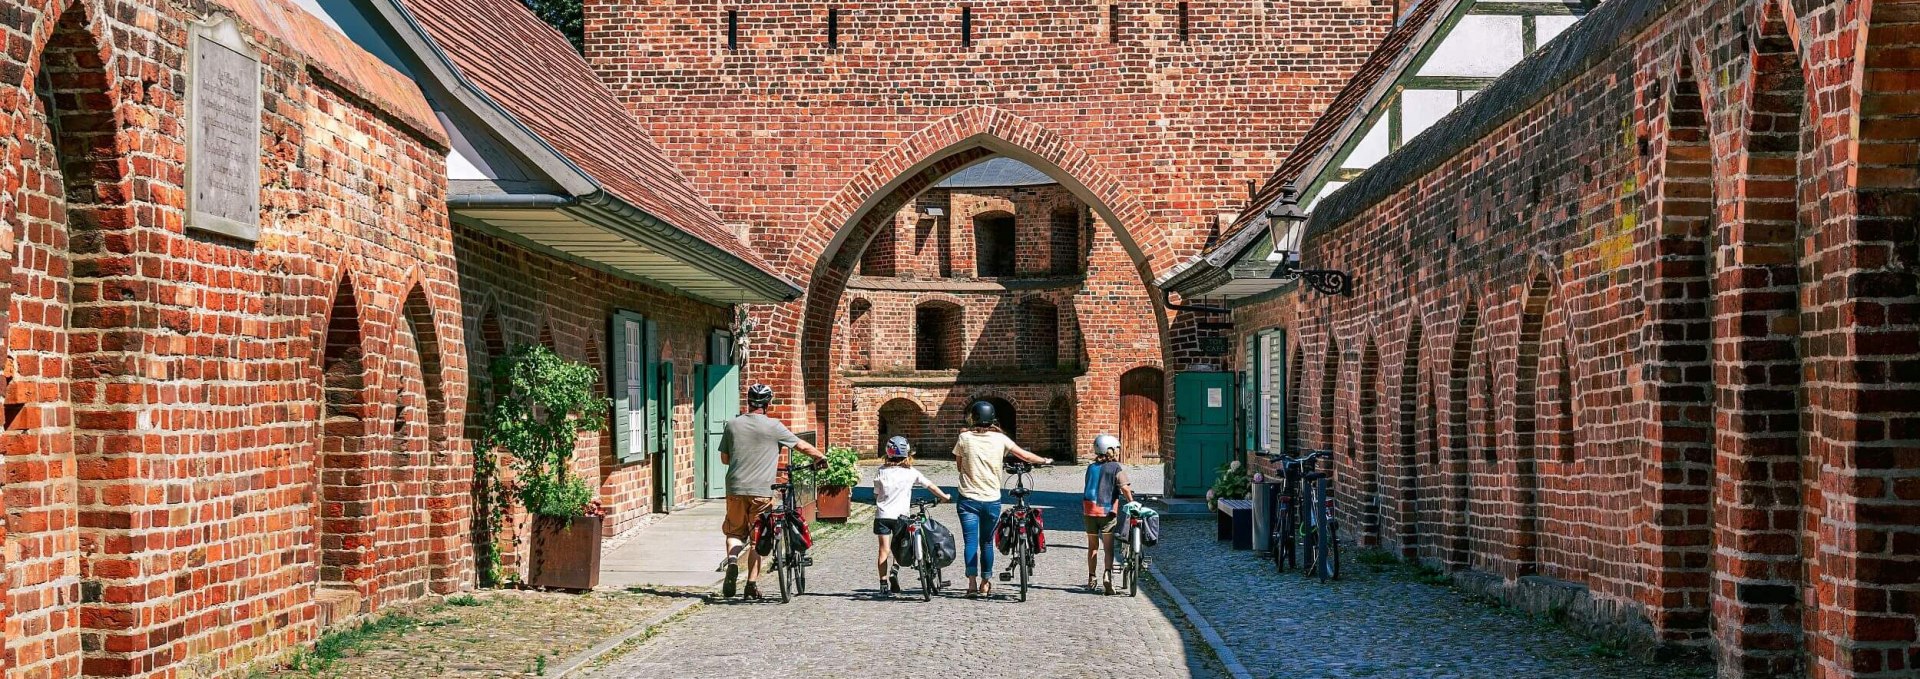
<point x="340" y="60"/>
<point x="1344" y="106"/>
<point x="535" y="75"/>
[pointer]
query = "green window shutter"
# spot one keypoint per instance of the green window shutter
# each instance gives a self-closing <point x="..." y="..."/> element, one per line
<point x="628" y="385"/>
<point x="666" y="406"/>
<point x="650" y="364"/>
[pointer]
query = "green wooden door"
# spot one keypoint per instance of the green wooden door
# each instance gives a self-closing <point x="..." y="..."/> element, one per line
<point x="1203" y="430"/>
<point x="716" y="397"/>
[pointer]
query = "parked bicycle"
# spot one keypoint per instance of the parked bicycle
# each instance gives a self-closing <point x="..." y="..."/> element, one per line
<point x="1319" y="533"/>
<point x="1290" y="512"/>
<point x="789" y="539"/>
<point x="1021" y="524"/>
<point x="1131" y="547"/>
<point x="920" y="540"/>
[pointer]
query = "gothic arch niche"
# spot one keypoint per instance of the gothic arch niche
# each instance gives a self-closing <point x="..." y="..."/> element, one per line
<point x="491" y="344"/>
<point x="1366" y="453"/>
<point x="1296" y="374"/>
<point x="71" y="191"/>
<point x="1458" y="511"/>
<point x="1527" y="421"/>
<point x="1408" y="507"/>
<point x="347" y="500"/>
<point x="441" y="462"/>
<point x="1004" y="415"/>
<point x="1329" y="386"/>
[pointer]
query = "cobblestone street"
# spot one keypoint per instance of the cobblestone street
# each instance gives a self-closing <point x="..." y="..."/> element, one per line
<point x="1378" y="622"/>
<point x="839" y="630"/>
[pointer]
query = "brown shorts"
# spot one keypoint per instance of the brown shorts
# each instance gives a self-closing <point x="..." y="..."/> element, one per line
<point x="1098" y="524"/>
<point x="741" y="511"/>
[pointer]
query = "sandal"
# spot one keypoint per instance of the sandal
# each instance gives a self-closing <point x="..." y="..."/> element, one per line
<point x="1093" y="583"/>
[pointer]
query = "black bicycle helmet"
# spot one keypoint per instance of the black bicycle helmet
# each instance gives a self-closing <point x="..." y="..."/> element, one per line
<point x="980" y="414"/>
<point x="759" y="396"/>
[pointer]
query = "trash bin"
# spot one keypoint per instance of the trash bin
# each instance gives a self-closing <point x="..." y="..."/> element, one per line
<point x="1265" y="494"/>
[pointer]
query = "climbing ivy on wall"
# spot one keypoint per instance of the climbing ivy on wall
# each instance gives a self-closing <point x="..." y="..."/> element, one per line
<point x="537" y="405"/>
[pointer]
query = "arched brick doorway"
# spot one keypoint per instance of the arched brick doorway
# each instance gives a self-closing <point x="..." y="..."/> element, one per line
<point x="904" y="417"/>
<point x="1142" y="391"/>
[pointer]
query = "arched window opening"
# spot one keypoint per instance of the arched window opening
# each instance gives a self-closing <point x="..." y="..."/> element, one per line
<point x="994" y="244"/>
<point x="938" y="332"/>
<point x="1039" y="335"/>
<point x="860" y="335"/>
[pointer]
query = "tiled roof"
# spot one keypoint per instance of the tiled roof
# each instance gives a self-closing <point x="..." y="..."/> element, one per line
<point x="534" y="74"/>
<point x="1349" y="102"/>
<point x="338" y="59"/>
<point x="996" y="172"/>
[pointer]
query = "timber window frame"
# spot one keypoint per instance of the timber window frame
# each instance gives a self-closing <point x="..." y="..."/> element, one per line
<point x="641" y="386"/>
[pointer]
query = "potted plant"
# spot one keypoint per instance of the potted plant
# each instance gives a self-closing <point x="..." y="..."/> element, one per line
<point x="837" y="479"/>
<point x="541" y="402"/>
<point x="1232" y="483"/>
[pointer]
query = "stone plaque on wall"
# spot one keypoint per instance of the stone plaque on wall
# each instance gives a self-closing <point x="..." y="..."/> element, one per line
<point x="223" y="134"/>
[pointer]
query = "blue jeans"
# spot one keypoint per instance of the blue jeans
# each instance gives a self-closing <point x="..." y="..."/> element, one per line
<point x="977" y="520"/>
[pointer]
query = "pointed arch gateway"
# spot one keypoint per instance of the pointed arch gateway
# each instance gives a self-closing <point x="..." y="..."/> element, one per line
<point x="829" y="250"/>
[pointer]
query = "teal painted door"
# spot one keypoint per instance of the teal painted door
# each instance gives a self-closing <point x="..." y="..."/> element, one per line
<point x="716" y="399"/>
<point x="1203" y="429"/>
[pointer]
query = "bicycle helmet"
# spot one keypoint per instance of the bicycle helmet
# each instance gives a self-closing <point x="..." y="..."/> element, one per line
<point x="980" y="414"/>
<point x="1105" y="445"/>
<point x="759" y="396"/>
<point x="897" y="448"/>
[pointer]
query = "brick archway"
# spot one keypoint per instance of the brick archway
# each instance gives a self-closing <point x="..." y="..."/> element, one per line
<point x="830" y="248"/>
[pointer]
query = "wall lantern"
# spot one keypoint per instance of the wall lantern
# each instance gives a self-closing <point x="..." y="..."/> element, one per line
<point x="1285" y="216"/>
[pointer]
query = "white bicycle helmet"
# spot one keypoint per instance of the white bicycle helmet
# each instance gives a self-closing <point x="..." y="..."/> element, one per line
<point x="1106" y="445"/>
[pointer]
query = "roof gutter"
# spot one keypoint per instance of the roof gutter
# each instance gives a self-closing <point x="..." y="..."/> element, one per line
<point x="610" y="212"/>
<point x="509" y="201"/>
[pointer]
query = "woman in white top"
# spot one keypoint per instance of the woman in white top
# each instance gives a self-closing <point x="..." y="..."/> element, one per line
<point x="892" y="498"/>
<point x="981" y="454"/>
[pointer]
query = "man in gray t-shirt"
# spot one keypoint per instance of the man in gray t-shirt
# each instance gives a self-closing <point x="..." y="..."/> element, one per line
<point x="750" y="446"/>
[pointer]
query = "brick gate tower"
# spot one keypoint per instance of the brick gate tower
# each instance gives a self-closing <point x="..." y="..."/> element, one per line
<point x="814" y="125"/>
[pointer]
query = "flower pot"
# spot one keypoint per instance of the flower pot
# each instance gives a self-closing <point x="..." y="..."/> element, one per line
<point x="835" y="503"/>
<point x="566" y="552"/>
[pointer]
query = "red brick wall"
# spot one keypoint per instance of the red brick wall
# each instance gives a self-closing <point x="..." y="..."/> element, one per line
<point x="802" y="142"/>
<point x="1653" y="335"/>
<point x="1021" y="341"/>
<point x="530" y="296"/>
<point x="164" y="442"/>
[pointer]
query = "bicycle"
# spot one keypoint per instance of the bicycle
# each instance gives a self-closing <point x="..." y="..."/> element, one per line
<point x="1024" y="518"/>
<point x="921" y="541"/>
<point x="1283" y="538"/>
<point x="1132" y="553"/>
<point x="1319" y="533"/>
<point x="789" y="565"/>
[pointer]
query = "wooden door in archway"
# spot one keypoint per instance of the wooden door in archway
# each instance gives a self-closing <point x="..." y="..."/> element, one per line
<point x="1141" y="394"/>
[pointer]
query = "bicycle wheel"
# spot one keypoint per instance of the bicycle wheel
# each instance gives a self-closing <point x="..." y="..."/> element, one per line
<point x="1136" y="563"/>
<point x="1308" y="538"/>
<point x="1330" y="554"/>
<point x="781" y="552"/>
<point x="1282" y="540"/>
<point x="1022" y="551"/>
<point x="922" y="557"/>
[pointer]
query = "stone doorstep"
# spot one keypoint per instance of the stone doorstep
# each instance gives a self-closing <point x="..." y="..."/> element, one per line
<point x="1183" y="507"/>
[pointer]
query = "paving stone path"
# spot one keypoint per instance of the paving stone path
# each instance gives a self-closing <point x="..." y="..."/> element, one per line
<point x="839" y="630"/>
<point x="1377" y="621"/>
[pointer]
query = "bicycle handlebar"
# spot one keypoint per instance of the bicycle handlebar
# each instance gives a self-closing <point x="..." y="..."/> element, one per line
<point x="926" y="502"/>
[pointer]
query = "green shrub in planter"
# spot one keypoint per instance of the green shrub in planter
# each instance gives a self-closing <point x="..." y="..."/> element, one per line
<point x="537" y="405"/>
<point x="842" y="468"/>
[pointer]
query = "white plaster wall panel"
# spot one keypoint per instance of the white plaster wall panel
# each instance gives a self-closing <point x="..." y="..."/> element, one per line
<point x="1479" y="46"/>
<point x="1546" y="27"/>
<point x="1371" y="147"/>
<point x="1420" y="109"/>
<point x="1327" y="190"/>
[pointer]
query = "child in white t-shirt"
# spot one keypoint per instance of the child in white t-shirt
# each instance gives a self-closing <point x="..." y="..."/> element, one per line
<point x="892" y="498"/>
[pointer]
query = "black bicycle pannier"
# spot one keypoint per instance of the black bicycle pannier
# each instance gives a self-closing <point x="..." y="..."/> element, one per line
<point x="1149" y="529"/>
<point x="902" y="546"/>
<point x="944" y="551"/>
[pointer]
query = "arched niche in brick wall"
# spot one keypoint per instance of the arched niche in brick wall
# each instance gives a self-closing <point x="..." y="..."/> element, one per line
<point x="1458" y="512"/>
<point x="346" y="499"/>
<point x="1407" y="505"/>
<point x="70" y="191"/>
<point x="1366" y="451"/>
<point x="872" y="199"/>
<point x="995" y="244"/>
<point x="1527" y="421"/>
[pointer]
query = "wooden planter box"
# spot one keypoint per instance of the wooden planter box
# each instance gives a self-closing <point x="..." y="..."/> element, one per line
<point x="566" y="554"/>
<point x="835" y="503"/>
